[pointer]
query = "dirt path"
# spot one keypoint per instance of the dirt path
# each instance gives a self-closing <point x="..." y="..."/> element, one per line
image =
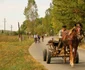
<point x="36" y="50"/>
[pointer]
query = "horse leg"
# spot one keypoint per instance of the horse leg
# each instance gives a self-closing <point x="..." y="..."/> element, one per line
<point x="65" y="54"/>
<point x="75" y="52"/>
<point x="71" y="56"/>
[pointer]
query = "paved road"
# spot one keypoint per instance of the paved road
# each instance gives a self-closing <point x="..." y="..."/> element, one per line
<point x="36" y="50"/>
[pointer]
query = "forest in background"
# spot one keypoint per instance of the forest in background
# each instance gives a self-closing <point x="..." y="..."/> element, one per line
<point x="60" y="12"/>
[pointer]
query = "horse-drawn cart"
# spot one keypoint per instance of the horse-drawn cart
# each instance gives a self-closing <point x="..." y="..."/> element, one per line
<point x="54" y="50"/>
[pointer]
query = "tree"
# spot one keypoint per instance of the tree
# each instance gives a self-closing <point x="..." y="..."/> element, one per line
<point x="31" y="10"/>
<point x="67" y="12"/>
<point x="31" y="15"/>
<point x="60" y="12"/>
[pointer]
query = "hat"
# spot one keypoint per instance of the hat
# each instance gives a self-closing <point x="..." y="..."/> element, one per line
<point x="64" y="26"/>
<point x="79" y="24"/>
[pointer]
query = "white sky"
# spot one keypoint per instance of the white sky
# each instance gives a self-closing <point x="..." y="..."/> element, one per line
<point x="13" y="10"/>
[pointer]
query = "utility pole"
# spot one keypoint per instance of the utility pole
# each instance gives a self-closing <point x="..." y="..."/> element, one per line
<point x="4" y="24"/>
<point x="11" y="29"/>
<point x="19" y="32"/>
<point x="19" y="29"/>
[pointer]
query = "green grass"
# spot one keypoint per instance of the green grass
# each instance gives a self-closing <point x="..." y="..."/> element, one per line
<point x="14" y="55"/>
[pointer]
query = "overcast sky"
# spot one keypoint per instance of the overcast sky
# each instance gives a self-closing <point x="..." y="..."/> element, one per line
<point x="13" y="10"/>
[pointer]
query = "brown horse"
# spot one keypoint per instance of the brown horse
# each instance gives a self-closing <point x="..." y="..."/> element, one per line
<point x="72" y="40"/>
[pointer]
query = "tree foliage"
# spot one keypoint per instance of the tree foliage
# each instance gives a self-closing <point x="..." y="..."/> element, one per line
<point x="60" y="12"/>
<point x="31" y="10"/>
<point x="68" y="12"/>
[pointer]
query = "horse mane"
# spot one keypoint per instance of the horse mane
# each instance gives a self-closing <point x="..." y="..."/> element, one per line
<point x="71" y="31"/>
<point x="70" y="34"/>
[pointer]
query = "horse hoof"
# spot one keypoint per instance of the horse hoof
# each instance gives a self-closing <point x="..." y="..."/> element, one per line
<point x="72" y="65"/>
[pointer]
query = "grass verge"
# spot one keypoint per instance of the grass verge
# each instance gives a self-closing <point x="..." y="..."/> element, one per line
<point x="14" y="55"/>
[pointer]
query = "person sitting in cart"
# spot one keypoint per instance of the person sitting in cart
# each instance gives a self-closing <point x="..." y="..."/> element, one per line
<point x="61" y="33"/>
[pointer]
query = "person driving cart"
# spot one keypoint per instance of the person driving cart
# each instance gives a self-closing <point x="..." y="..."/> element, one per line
<point x="61" y="33"/>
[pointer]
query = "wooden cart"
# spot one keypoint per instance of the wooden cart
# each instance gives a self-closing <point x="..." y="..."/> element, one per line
<point x="53" y="50"/>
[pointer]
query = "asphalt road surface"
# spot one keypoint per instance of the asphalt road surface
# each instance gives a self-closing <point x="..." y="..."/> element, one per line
<point x="36" y="50"/>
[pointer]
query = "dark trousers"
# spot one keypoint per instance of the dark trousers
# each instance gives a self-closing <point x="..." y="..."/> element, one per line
<point x="60" y="45"/>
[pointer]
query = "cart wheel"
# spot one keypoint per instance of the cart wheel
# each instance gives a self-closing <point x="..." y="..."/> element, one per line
<point x="77" y="58"/>
<point x="48" y="57"/>
<point x="44" y="54"/>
